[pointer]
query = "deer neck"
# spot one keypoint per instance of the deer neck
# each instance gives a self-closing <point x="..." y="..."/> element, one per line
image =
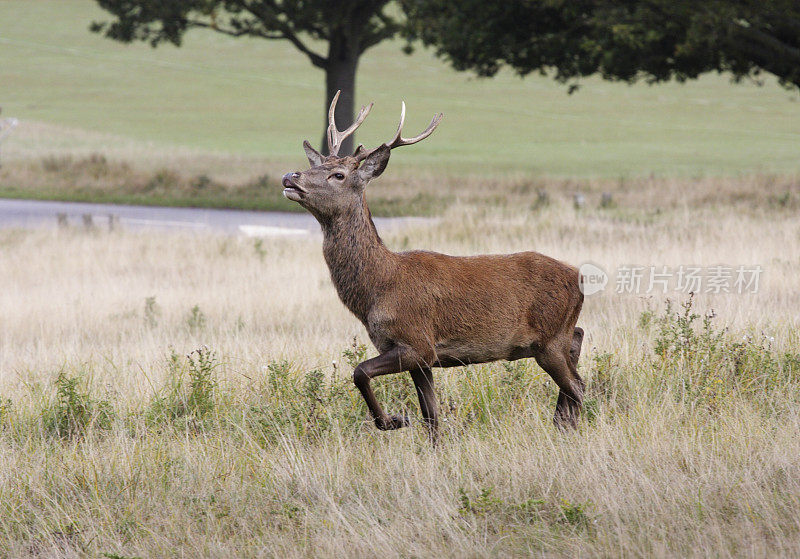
<point x="360" y="264"/>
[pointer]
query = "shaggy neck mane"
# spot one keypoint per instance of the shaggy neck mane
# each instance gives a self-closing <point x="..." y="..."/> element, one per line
<point x="359" y="262"/>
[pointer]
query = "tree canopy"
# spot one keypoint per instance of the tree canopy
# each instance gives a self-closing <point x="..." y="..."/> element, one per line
<point x="625" y="40"/>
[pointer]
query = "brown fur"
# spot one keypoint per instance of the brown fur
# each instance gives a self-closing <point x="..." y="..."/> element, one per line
<point x="450" y="310"/>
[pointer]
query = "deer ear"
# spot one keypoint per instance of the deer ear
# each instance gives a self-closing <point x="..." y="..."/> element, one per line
<point x="374" y="164"/>
<point x="314" y="157"/>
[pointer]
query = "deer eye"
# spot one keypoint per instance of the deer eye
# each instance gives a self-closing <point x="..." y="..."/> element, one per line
<point x="338" y="176"/>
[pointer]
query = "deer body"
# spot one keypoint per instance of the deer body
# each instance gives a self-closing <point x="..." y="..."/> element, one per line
<point x="424" y="309"/>
<point x="450" y="310"/>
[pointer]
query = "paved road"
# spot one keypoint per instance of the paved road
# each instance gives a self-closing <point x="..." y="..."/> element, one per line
<point x="38" y="213"/>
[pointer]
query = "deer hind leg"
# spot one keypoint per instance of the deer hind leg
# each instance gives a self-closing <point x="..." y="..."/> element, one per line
<point x="575" y="348"/>
<point x="559" y="360"/>
<point x="423" y="382"/>
<point x="393" y="361"/>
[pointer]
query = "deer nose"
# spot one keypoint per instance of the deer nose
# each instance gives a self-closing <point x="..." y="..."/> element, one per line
<point x="290" y="178"/>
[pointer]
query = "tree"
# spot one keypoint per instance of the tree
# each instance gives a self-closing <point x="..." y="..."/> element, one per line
<point x="619" y="39"/>
<point x="348" y="28"/>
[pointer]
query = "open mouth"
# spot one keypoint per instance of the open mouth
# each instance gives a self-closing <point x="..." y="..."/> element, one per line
<point x="291" y="190"/>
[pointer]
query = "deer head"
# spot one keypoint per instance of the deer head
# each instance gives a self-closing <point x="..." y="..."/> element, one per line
<point x="335" y="182"/>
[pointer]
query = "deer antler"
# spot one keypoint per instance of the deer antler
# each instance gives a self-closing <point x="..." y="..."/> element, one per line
<point x="335" y="137"/>
<point x="398" y="140"/>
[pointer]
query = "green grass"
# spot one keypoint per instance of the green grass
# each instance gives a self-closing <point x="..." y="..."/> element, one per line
<point x="260" y="98"/>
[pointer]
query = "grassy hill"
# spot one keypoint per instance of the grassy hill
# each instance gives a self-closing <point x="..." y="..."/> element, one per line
<point x="260" y="99"/>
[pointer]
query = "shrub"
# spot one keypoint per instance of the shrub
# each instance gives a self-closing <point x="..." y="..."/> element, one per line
<point x="74" y="411"/>
<point x="163" y="180"/>
<point x="189" y="397"/>
<point x="709" y="365"/>
<point x="5" y="410"/>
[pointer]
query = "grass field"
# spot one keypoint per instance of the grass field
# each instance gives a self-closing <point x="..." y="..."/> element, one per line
<point x="113" y="442"/>
<point x="190" y="395"/>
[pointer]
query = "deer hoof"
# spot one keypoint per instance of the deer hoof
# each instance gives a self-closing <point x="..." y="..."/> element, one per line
<point x="394" y="422"/>
<point x="565" y="421"/>
<point x="401" y="421"/>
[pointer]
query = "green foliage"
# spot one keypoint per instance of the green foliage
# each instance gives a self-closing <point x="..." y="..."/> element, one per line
<point x="307" y="405"/>
<point x="620" y="40"/>
<point x="605" y="394"/>
<point x="355" y="354"/>
<point x="604" y="367"/>
<point x="188" y="398"/>
<point x="484" y="503"/>
<point x="278" y="376"/>
<point x="783" y="201"/>
<point x="93" y="179"/>
<point x="676" y="335"/>
<point x="531" y="508"/>
<point x="75" y="411"/>
<point x="168" y="20"/>
<point x="348" y="28"/>
<point x="575" y="513"/>
<point x="710" y="365"/>
<point x="646" y="319"/>
<point x="202" y="384"/>
<point x="700" y="366"/>
<point x="6" y="406"/>
<point x="484" y="394"/>
<point x="481" y="503"/>
<point x="95" y="166"/>
<point x="314" y="386"/>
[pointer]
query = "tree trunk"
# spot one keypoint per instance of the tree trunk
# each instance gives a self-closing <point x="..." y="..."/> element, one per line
<point x="340" y="74"/>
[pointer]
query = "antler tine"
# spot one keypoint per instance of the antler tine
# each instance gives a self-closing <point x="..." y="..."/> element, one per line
<point x="397" y="136"/>
<point x="333" y="149"/>
<point x="398" y="140"/>
<point x="336" y="137"/>
<point x="362" y="114"/>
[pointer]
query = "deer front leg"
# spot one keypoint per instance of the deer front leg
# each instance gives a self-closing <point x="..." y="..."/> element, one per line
<point x="393" y="361"/>
<point x="423" y="382"/>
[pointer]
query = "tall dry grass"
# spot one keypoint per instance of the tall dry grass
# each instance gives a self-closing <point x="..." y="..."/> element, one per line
<point x="113" y="442"/>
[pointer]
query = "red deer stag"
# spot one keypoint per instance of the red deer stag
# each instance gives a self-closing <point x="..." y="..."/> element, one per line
<point x="424" y="309"/>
